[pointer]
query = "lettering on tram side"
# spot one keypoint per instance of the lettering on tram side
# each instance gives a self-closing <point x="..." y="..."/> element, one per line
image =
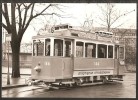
<point x="47" y="63"/>
<point x="92" y="73"/>
<point x="96" y="63"/>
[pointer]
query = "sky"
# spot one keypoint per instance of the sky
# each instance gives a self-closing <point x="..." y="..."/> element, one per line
<point x="76" y="13"/>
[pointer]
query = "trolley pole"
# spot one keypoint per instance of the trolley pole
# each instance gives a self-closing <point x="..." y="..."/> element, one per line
<point x="8" y="39"/>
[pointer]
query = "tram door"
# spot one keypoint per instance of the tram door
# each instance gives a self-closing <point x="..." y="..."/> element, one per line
<point x="67" y="60"/>
<point x="119" y="60"/>
<point x="116" y="59"/>
<point x="121" y="66"/>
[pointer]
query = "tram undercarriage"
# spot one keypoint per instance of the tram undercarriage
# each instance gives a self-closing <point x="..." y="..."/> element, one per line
<point x="70" y="58"/>
<point x="76" y="81"/>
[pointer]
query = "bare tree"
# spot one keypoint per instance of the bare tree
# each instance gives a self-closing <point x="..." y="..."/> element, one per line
<point x="47" y="25"/>
<point x="16" y="23"/>
<point x="110" y="16"/>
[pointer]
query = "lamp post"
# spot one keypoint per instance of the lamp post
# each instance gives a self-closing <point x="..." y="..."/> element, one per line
<point x="8" y="39"/>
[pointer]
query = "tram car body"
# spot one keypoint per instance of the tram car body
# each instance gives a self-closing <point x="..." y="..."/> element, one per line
<point x="72" y="56"/>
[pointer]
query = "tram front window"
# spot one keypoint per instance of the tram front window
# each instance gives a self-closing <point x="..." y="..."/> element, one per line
<point x="110" y="51"/>
<point x="102" y="51"/>
<point x="58" y="47"/>
<point x="116" y="52"/>
<point x="47" y="47"/>
<point x="67" y="48"/>
<point x="38" y="48"/>
<point x="34" y="48"/>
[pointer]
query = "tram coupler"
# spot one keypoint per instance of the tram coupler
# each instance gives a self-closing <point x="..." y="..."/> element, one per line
<point x="33" y="82"/>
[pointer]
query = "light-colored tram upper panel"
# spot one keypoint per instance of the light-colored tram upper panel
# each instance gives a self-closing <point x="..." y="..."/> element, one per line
<point x="77" y="35"/>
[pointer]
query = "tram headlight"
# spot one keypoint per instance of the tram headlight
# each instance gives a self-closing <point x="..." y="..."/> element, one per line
<point x="38" y="68"/>
<point x="122" y="62"/>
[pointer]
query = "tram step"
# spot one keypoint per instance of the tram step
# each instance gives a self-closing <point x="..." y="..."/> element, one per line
<point x="117" y="79"/>
<point x="48" y="87"/>
<point x="88" y="84"/>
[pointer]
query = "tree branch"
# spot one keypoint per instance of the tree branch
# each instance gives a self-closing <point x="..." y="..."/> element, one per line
<point x="13" y="20"/>
<point x="20" y="17"/>
<point x="25" y="15"/>
<point x="42" y="11"/>
<point x="4" y="26"/>
<point x="6" y="16"/>
<point x="121" y="24"/>
<point x="115" y="19"/>
<point x="32" y="9"/>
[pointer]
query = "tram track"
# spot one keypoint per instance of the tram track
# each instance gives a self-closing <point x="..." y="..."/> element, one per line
<point x="36" y="90"/>
<point x="22" y="91"/>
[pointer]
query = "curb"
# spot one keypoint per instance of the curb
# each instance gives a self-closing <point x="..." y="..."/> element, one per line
<point x="14" y="86"/>
<point x="20" y="74"/>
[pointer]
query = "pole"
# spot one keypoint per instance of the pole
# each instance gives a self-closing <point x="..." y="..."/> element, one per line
<point x="8" y="76"/>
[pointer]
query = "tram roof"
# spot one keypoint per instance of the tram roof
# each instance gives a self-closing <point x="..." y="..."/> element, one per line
<point x="76" y="34"/>
<point x="104" y="32"/>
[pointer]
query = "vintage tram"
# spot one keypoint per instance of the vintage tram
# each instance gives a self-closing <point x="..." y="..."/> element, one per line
<point x="74" y="57"/>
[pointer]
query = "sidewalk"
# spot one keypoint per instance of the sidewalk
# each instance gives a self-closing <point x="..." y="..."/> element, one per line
<point x="15" y="82"/>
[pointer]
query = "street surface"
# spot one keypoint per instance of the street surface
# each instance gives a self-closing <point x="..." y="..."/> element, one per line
<point x="118" y="89"/>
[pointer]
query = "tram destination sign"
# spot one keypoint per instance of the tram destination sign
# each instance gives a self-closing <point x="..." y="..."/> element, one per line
<point x="92" y="73"/>
<point x="105" y="38"/>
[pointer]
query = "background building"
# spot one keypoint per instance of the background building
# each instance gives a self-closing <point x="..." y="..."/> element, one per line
<point x="25" y="54"/>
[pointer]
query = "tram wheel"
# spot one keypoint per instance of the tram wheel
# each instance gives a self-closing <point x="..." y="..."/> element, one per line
<point x="74" y="84"/>
<point x="104" y="80"/>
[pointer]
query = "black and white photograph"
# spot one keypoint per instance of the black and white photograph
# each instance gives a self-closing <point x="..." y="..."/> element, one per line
<point x="68" y="50"/>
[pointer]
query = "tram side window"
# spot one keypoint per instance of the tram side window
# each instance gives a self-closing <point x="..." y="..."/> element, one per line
<point x="90" y="50"/>
<point x="79" y="49"/>
<point x="67" y="48"/>
<point x="47" y="47"/>
<point x="110" y="51"/>
<point x="102" y="51"/>
<point x="58" y="47"/>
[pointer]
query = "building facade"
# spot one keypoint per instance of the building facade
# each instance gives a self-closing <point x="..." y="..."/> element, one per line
<point x="25" y="54"/>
